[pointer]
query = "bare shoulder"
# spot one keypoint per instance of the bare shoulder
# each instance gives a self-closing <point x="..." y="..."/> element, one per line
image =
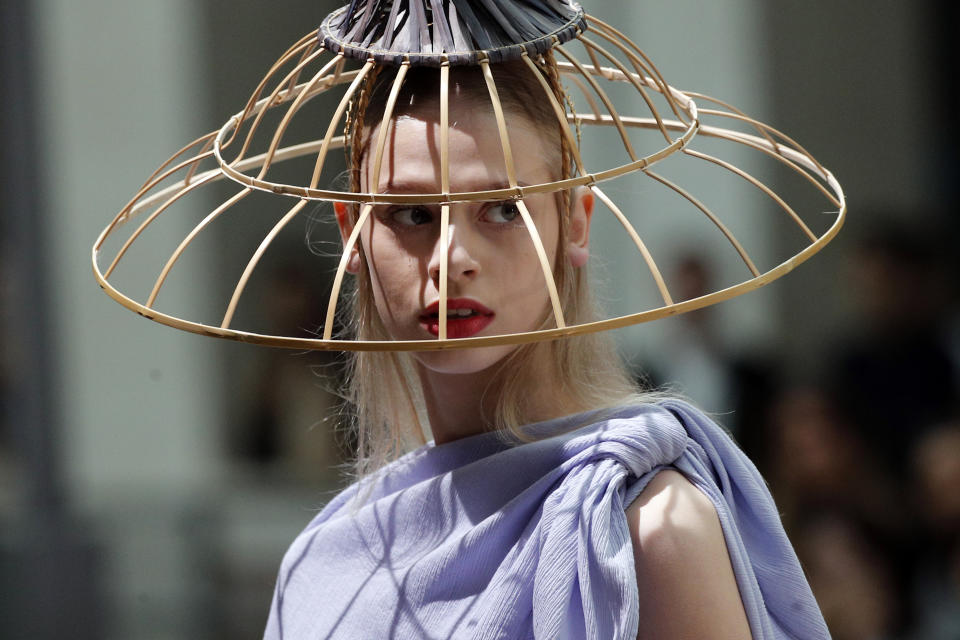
<point x="686" y="582"/>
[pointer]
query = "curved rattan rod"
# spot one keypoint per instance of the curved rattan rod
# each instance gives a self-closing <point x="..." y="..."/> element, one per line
<point x="149" y="182"/>
<point x="603" y="26"/>
<point x="605" y="99"/>
<point x="757" y="142"/>
<point x="261" y="107"/>
<point x="590" y="46"/>
<point x="712" y="217"/>
<point x="759" y="185"/>
<point x="308" y="46"/>
<point x="292" y="83"/>
<point x="335" y="120"/>
<point x="445" y="187"/>
<point x="133" y="206"/>
<point x="255" y="260"/>
<point x="153" y="179"/>
<point x="341" y="270"/>
<point x="592" y="54"/>
<point x="545" y="265"/>
<point x="809" y="169"/>
<point x="569" y="70"/>
<point x="810" y="173"/>
<point x="761" y="128"/>
<point x="310" y="52"/>
<point x="641" y="246"/>
<point x="287" y="153"/>
<point x="765" y="130"/>
<point x="153" y="216"/>
<point x="195" y="166"/>
<point x="558" y="111"/>
<point x="288" y="116"/>
<point x="374" y="181"/>
<point x="213" y="215"/>
<point x="645" y="75"/>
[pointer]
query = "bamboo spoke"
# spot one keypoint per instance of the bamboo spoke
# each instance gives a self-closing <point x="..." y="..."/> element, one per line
<point x="149" y="220"/>
<point x="713" y="218"/>
<point x="374" y="180"/>
<point x="559" y="111"/>
<point x="524" y="213"/>
<point x="342" y="268"/>
<point x="252" y="264"/>
<point x="544" y="264"/>
<point x="630" y="77"/>
<point x="134" y="204"/>
<point x="205" y="139"/>
<point x="282" y="128"/>
<point x="263" y="106"/>
<point x="604" y="99"/>
<point x="759" y="185"/>
<point x="306" y="44"/>
<point x="445" y="187"/>
<point x="192" y="171"/>
<point x="765" y="130"/>
<point x="335" y="120"/>
<point x="651" y="264"/>
<point x="648" y="62"/>
<point x="186" y="242"/>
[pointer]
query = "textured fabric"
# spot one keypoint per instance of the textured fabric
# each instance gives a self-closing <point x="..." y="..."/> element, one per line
<point x="480" y="539"/>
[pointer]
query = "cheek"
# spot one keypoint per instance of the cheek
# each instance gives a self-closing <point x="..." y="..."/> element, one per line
<point x="393" y="270"/>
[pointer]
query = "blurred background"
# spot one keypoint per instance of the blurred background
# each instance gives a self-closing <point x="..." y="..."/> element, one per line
<point x="150" y="480"/>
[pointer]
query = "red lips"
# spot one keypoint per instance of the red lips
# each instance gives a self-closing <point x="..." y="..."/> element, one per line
<point x="458" y="326"/>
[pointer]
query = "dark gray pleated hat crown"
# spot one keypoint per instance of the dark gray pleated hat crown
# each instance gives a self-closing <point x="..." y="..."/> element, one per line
<point x="429" y="32"/>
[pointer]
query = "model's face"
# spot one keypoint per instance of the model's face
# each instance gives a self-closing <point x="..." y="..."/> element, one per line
<point x="495" y="282"/>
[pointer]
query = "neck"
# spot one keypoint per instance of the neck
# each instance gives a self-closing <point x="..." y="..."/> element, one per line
<point x="458" y="405"/>
<point x="461" y="405"/>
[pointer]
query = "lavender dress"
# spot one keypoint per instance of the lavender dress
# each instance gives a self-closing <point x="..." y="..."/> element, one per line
<point x="480" y="539"/>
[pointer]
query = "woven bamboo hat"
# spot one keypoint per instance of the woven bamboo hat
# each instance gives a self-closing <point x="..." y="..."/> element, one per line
<point x="276" y="145"/>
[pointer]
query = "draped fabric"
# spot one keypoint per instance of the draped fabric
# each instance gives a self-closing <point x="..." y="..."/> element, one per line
<point x="479" y="538"/>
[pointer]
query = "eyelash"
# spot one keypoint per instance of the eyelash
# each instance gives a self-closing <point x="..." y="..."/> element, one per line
<point x="388" y="217"/>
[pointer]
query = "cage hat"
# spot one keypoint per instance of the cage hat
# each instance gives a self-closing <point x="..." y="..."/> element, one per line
<point x="618" y="119"/>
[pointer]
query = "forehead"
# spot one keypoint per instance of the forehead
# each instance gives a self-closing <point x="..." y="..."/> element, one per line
<point x="411" y="158"/>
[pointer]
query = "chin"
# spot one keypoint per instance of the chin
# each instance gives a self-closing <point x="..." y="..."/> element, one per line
<point x="463" y="361"/>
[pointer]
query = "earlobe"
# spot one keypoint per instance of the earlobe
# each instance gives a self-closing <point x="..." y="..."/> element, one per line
<point x="578" y="251"/>
<point x="345" y="225"/>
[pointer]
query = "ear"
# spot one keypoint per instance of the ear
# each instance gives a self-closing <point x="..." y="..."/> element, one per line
<point x="578" y="251"/>
<point x="345" y="223"/>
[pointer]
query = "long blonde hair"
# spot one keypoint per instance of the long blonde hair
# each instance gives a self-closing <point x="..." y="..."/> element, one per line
<point x="382" y="388"/>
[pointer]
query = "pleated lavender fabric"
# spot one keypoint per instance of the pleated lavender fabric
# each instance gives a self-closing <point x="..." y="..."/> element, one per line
<point x="481" y="539"/>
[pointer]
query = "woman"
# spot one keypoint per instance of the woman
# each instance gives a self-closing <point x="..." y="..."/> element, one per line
<point x="554" y="500"/>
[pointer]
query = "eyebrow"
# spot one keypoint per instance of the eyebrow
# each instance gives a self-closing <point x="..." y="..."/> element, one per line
<point x="415" y="186"/>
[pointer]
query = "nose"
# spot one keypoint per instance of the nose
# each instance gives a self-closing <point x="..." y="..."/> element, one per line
<point x="462" y="264"/>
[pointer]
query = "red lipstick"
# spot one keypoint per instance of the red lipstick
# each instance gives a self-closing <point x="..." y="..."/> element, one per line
<point x="465" y="318"/>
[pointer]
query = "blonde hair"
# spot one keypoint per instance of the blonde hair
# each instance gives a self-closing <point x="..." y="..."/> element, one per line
<point x="382" y="388"/>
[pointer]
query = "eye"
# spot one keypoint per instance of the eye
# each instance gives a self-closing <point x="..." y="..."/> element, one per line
<point x="502" y="212"/>
<point x="411" y="216"/>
